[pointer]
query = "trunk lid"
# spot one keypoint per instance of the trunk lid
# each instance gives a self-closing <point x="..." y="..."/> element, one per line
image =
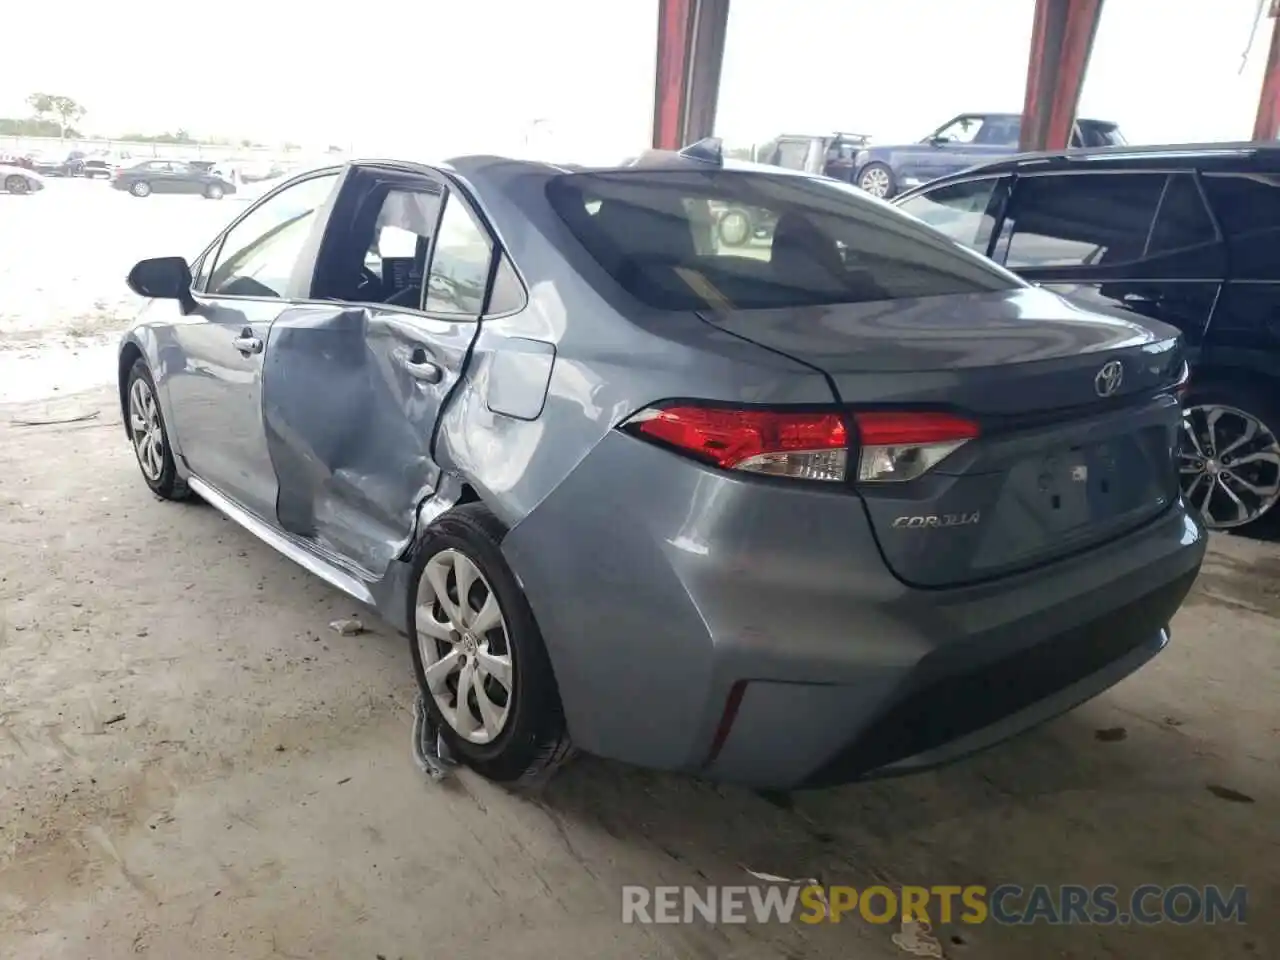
<point x="1057" y="467"/>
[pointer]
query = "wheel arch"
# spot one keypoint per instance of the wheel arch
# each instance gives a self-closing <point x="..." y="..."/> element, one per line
<point x="1226" y="373"/>
<point x="130" y="353"/>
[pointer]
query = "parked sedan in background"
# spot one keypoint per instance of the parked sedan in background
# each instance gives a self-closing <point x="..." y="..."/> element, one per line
<point x="966" y="140"/>
<point x="19" y="180"/>
<point x="857" y="503"/>
<point x="171" y="176"/>
<point x="1187" y="235"/>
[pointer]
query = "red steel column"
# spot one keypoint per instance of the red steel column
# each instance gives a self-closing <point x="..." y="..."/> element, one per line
<point x="687" y="78"/>
<point x="1061" y="41"/>
<point x="1267" y="125"/>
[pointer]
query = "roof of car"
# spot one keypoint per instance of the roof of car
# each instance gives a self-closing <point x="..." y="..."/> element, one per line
<point x="647" y="160"/>
<point x="1203" y="156"/>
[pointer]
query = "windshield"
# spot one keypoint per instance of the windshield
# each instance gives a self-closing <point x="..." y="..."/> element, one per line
<point x="672" y="240"/>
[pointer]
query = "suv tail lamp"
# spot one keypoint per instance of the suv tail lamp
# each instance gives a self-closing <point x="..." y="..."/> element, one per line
<point x="805" y="444"/>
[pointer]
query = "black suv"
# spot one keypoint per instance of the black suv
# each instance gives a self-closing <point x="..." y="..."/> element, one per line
<point x="1189" y="235"/>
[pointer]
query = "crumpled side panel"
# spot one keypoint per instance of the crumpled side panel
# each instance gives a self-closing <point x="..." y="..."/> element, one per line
<point x="350" y="427"/>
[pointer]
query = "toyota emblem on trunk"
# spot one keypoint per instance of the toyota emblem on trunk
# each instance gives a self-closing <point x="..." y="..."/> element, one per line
<point x="1109" y="378"/>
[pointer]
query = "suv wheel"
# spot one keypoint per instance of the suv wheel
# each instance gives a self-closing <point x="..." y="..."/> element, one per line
<point x="1230" y="457"/>
<point x="877" y="180"/>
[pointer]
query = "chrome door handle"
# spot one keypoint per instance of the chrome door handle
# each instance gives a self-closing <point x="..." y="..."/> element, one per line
<point x="247" y="344"/>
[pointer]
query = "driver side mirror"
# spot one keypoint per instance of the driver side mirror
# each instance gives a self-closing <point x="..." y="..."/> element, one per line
<point x="162" y="278"/>
<point x="936" y="141"/>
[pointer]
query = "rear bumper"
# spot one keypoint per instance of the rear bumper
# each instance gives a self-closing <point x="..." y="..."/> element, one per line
<point x="667" y="592"/>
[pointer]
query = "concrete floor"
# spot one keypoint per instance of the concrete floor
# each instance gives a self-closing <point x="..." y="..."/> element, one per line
<point x="192" y="764"/>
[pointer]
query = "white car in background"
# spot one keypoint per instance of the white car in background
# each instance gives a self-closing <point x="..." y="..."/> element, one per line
<point x="19" y="180"/>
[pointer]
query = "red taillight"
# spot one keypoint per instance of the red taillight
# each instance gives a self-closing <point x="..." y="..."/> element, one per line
<point x="898" y="446"/>
<point x="807" y="445"/>
<point x="803" y="445"/>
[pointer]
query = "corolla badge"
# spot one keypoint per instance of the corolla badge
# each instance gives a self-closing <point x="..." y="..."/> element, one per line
<point x="1109" y="378"/>
<point x="933" y="521"/>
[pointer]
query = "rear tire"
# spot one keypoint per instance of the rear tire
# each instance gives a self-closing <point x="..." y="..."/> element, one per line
<point x="878" y="180"/>
<point x="532" y="741"/>
<point x="1217" y="414"/>
<point x="141" y="189"/>
<point x="149" y="435"/>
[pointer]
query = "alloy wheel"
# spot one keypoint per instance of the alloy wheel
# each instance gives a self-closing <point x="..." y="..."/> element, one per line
<point x="465" y="648"/>
<point x="146" y="429"/>
<point x="875" y="181"/>
<point x="1229" y="465"/>
<point x="16" y="184"/>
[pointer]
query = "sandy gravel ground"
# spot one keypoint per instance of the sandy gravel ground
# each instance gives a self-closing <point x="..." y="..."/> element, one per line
<point x="193" y="765"/>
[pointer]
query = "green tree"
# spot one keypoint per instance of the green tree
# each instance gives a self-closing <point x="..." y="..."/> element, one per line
<point x="66" y="109"/>
<point x="41" y="105"/>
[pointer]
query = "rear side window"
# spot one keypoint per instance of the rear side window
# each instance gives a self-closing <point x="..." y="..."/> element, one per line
<point x="960" y="210"/>
<point x="1248" y="208"/>
<point x="460" y="264"/>
<point x="1071" y="220"/>
<point x="1183" y="221"/>
<point x="673" y="239"/>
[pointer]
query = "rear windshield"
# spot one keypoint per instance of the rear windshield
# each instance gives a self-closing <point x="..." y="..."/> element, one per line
<point x="724" y="239"/>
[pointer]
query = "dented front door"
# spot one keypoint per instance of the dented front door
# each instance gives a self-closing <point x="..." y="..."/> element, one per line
<point x="352" y="394"/>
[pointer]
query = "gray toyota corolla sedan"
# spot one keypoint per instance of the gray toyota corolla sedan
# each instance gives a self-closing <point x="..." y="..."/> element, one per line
<point x="846" y="501"/>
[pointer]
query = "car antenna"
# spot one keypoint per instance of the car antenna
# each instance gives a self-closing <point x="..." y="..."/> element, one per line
<point x="708" y="150"/>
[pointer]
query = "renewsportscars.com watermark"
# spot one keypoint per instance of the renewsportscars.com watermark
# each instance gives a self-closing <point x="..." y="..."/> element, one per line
<point x="1006" y="904"/>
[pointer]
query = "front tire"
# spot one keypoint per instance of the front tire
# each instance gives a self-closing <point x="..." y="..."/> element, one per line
<point x="16" y="185"/>
<point x="478" y="656"/>
<point x="141" y="189"/>
<point x="213" y="192"/>
<point x="150" y="436"/>
<point x="1229" y="463"/>
<point x="878" y="180"/>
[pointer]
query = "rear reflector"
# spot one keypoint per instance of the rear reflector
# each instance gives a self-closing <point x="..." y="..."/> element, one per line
<point x="895" y="447"/>
<point x="802" y="445"/>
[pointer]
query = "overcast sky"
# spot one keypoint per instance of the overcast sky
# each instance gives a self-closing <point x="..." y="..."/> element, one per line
<point x="440" y="77"/>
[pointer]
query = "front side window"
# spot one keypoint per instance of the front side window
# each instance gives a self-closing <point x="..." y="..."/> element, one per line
<point x="395" y="261"/>
<point x="460" y="264"/>
<point x="809" y="241"/>
<point x="1071" y="220"/>
<point x="258" y="255"/>
<point x="1182" y="221"/>
<point x="960" y="130"/>
<point x="959" y="210"/>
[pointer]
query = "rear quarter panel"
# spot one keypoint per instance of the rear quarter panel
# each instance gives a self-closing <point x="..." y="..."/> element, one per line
<point x="611" y="358"/>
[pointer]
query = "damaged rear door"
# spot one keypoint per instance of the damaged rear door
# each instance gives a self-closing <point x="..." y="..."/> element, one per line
<point x="355" y="380"/>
